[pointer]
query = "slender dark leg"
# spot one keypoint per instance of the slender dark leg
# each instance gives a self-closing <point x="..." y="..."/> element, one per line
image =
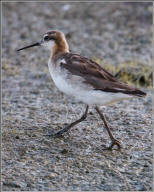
<point x="65" y="129"/>
<point x="114" y="141"/>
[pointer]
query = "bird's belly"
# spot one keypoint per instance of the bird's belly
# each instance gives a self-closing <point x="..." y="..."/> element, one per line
<point x="63" y="85"/>
<point x="89" y="97"/>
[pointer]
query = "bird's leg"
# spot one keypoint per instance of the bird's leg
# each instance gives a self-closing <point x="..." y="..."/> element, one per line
<point x="114" y="141"/>
<point x="65" y="129"/>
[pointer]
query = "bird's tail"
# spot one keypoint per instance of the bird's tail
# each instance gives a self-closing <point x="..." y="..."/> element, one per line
<point x="138" y="93"/>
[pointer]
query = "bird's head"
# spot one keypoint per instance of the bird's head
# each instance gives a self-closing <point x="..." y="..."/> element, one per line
<point x="50" y="40"/>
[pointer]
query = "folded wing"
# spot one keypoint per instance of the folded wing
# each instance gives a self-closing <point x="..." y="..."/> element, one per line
<point x="95" y="75"/>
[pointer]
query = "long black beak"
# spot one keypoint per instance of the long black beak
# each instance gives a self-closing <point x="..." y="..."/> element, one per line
<point x="33" y="45"/>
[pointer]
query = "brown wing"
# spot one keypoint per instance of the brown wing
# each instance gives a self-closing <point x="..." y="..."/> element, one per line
<point x="95" y="75"/>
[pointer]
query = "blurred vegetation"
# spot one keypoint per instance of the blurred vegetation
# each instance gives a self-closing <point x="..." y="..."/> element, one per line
<point x="131" y="72"/>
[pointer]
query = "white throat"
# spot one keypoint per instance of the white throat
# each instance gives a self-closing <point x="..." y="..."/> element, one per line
<point x="48" y="45"/>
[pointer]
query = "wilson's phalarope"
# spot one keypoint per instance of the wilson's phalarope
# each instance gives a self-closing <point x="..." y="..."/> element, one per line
<point x="83" y="79"/>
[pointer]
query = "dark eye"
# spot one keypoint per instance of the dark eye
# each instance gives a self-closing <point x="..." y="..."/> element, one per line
<point x="46" y="38"/>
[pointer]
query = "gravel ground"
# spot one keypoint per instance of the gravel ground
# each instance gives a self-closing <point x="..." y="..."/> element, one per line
<point x="114" y="33"/>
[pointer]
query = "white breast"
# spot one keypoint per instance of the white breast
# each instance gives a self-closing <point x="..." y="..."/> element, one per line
<point x="60" y="78"/>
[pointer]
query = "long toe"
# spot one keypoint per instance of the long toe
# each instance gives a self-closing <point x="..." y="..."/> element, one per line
<point x="114" y="142"/>
<point x="58" y="134"/>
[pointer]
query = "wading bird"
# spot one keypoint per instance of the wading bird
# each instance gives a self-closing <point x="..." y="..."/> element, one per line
<point x="83" y="79"/>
